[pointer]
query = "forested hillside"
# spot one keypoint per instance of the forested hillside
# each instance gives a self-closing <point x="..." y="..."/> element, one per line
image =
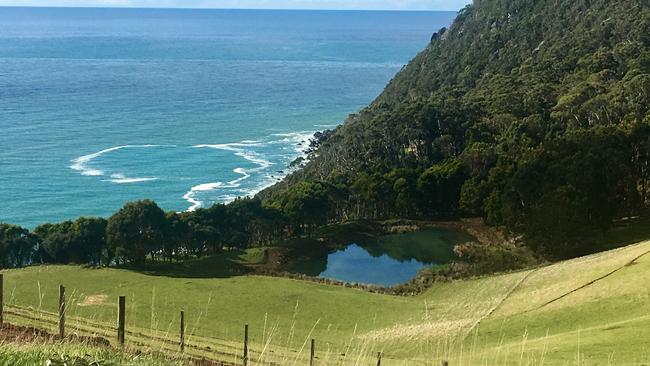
<point x="531" y="113"/>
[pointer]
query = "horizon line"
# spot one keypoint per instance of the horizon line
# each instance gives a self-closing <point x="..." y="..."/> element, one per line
<point x="221" y="8"/>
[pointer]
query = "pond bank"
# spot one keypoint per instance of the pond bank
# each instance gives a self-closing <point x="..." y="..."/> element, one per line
<point x="278" y="260"/>
<point x="475" y="227"/>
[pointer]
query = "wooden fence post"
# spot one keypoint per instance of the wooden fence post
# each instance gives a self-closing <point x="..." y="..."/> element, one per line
<point x="121" y="309"/>
<point x="182" y="331"/>
<point x="245" y="363"/>
<point x="312" y="353"/>
<point x="1" y="300"/>
<point x="378" y="358"/>
<point x="61" y="311"/>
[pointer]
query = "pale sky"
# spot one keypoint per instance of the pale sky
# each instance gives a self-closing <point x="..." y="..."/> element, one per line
<point x="255" y="4"/>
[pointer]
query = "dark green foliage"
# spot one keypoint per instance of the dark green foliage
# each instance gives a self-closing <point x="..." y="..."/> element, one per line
<point x="178" y="237"/>
<point x="81" y="241"/>
<point x="307" y="205"/>
<point x="56" y="242"/>
<point x="241" y="224"/>
<point x="17" y="246"/>
<point x="439" y="188"/>
<point x="572" y="187"/>
<point x="91" y="238"/>
<point x="135" y="231"/>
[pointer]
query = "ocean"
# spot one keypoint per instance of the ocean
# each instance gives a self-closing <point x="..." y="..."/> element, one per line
<point x="186" y="107"/>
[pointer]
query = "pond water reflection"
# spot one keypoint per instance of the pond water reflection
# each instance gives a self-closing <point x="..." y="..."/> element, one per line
<point x="386" y="261"/>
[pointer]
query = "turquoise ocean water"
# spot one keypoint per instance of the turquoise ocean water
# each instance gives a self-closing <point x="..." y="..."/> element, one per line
<point x="186" y="107"/>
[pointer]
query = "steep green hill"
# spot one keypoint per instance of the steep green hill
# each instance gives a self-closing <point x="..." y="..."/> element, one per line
<point x="512" y="113"/>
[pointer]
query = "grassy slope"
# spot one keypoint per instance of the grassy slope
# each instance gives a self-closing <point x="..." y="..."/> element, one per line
<point x="607" y="321"/>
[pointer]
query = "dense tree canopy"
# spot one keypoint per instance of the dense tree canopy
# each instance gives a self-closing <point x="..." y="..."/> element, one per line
<point x="533" y="114"/>
<point x="81" y="241"/>
<point x="135" y="231"/>
<point x="17" y="246"/>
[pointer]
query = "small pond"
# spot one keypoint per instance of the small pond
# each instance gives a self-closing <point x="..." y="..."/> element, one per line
<point x="386" y="261"/>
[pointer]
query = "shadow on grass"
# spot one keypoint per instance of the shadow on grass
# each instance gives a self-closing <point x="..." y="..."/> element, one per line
<point x="624" y="232"/>
<point x="241" y="262"/>
<point x="288" y="253"/>
<point x="223" y="265"/>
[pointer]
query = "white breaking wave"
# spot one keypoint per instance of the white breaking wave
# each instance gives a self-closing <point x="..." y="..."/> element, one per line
<point x="239" y="148"/>
<point x="298" y="141"/>
<point x="295" y="141"/>
<point x="122" y="179"/>
<point x="191" y="198"/>
<point x="295" y="144"/>
<point x="80" y="164"/>
<point x="244" y="176"/>
<point x="305" y="135"/>
<point x="227" y="198"/>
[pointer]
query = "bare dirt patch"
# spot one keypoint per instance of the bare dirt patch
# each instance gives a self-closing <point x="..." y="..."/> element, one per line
<point x="474" y="226"/>
<point x="18" y="334"/>
<point x="205" y="362"/>
<point x="422" y="331"/>
<point x="12" y="333"/>
<point x="93" y="300"/>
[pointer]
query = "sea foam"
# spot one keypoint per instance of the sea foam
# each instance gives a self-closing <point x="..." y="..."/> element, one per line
<point x="81" y="164"/>
<point x="241" y="149"/>
<point x="190" y="196"/>
<point x="120" y="178"/>
<point x="294" y="143"/>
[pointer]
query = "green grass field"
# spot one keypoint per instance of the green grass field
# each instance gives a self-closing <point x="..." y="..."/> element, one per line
<point x="593" y="310"/>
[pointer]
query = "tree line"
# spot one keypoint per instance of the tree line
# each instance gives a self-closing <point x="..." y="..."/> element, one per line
<point x="142" y="232"/>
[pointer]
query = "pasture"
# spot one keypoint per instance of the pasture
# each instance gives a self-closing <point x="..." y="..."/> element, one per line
<point x="593" y="310"/>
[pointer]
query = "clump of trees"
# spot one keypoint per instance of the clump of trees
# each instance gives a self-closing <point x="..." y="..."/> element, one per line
<point x="80" y="241"/>
<point x="17" y="246"/>
<point x="135" y="231"/>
